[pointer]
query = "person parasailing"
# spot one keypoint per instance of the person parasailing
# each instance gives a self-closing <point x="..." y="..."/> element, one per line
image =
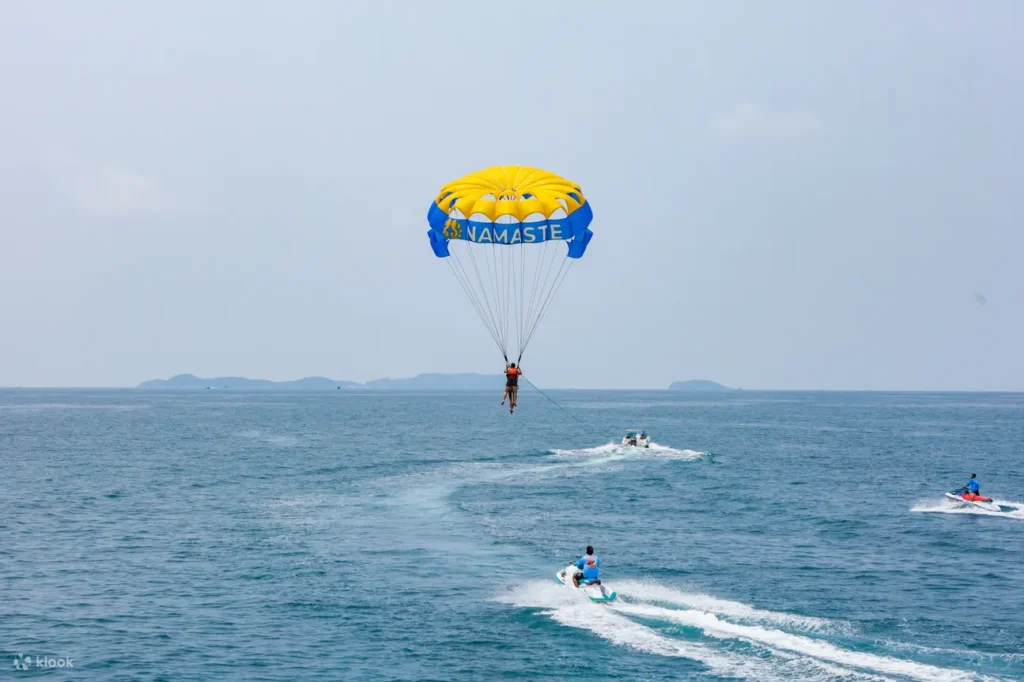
<point x="510" y="235"/>
<point x="512" y="374"/>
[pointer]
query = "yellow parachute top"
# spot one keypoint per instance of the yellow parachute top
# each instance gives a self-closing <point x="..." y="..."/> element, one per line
<point x="519" y="192"/>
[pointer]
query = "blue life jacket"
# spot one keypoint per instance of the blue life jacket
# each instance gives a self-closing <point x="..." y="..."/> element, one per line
<point x="590" y="565"/>
<point x="972" y="485"/>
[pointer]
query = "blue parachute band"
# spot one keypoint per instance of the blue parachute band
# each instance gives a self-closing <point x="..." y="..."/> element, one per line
<point x="509" y="224"/>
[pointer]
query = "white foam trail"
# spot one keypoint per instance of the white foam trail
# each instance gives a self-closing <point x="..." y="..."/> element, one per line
<point x="599" y="450"/>
<point x="571" y="608"/>
<point x="610" y="451"/>
<point x="815" y="648"/>
<point x="270" y="438"/>
<point x="653" y="592"/>
<point x="38" y="407"/>
<point x="944" y="506"/>
<point x="665" y="452"/>
<point x="980" y="656"/>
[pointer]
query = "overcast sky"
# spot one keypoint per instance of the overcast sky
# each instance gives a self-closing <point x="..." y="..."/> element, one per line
<point x="786" y="195"/>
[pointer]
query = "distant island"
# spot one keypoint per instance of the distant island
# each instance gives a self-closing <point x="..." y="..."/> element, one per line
<point x="421" y="382"/>
<point x="699" y="385"/>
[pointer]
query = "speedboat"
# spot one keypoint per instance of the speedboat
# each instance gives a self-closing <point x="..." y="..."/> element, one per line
<point x="595" y="591"/>
<point x="970" y="499"/>
<point x="636" y="439"/>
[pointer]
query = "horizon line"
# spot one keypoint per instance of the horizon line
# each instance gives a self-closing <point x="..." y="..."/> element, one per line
<point x="478" y="390"/>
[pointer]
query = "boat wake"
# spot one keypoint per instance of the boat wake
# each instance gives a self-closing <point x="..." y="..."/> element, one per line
<point x="613" y="450"/>
<point x="1010" y="509"/>
<point x="731" y="638"/>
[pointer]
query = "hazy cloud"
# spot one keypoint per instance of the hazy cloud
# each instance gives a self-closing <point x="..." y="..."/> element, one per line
<point x="110" y="189"/>
<point x="750" y="121"/>
<point x="117" y="192"/>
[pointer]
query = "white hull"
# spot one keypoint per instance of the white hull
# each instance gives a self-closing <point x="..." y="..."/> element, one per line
<point x="638" y="442"/>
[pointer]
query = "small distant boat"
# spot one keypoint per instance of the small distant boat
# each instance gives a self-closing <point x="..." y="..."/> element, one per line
<point x="636" y="439"/>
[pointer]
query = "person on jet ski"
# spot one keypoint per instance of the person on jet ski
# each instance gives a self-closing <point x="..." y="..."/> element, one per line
<point x="972" y="485"/>
<point x="587" y="569"/>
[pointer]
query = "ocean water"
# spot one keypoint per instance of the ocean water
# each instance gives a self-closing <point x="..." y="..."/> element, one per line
<point x="377" y="536"/>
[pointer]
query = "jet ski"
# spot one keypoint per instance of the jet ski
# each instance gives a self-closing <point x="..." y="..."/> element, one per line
<point x="966" y="498"/>
<point x="595" y="591"/>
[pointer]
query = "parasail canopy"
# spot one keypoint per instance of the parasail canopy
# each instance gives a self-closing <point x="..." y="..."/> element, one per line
<point x="510" y="235"/>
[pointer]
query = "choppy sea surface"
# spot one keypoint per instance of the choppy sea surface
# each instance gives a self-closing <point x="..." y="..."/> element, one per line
<point x="385" y="536"/>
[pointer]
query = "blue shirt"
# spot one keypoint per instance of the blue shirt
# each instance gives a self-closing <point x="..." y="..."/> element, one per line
<point x="972" y="485"/>
<point x="589" y="572"/>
